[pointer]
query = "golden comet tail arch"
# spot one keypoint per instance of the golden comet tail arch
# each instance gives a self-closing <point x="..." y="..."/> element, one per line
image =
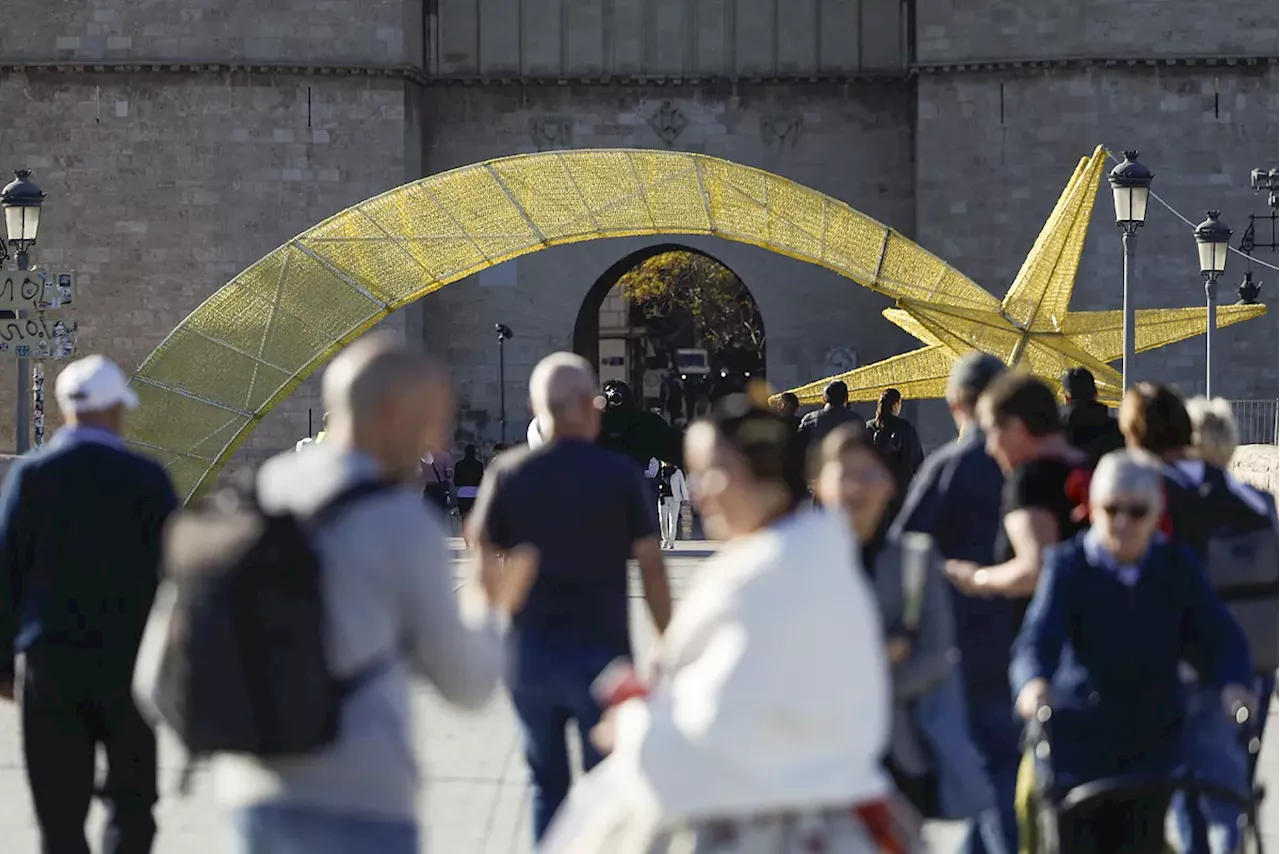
<point x="250" y="344"/>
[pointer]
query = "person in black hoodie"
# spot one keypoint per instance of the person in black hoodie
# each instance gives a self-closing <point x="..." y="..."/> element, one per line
<point x="1088" y="423"/>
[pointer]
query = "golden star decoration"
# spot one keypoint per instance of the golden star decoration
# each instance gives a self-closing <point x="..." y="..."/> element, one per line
<point x="1033" y="327"/>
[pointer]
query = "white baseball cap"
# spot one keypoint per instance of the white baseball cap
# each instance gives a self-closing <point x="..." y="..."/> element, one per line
<point x="93" y="384"/>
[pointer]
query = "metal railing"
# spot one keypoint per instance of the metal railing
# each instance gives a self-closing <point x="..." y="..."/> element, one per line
<point x="1256" y="421"/>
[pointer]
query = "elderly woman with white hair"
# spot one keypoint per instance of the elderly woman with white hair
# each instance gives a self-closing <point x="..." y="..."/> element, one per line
<point x="1115" y="612"/>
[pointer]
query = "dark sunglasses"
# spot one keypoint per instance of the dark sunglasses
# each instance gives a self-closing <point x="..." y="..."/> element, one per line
<point x="1133" y="511"/>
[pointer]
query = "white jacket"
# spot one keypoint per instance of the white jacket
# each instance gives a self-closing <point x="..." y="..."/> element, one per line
<point x="679" y="488"/>
<point x="771" y="691"/>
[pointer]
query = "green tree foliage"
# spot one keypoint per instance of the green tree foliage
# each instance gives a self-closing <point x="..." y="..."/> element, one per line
<point x="724" y="314"/>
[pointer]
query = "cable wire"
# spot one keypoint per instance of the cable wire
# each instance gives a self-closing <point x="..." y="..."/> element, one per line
<point x="1170" y="208"/>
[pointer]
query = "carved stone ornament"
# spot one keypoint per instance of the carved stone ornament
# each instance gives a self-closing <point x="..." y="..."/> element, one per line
<point x="550" y="132"/>
<point x="781" y="131"/>
<point x="668" y="122"/>
<point x="839" y="360"/>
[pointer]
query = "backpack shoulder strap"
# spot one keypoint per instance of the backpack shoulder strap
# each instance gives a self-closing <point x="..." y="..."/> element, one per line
<point x="351" y="495"/>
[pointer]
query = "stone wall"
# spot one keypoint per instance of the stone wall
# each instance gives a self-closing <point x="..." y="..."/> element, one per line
<point x="161" y="187"/>
<point x="850" y="141"/>
<point x="1259" y="466"/>
<point x="986" y="30"/>
<point x="304" y="32"/>
<point x="164" y="182"/>
<point x="994" y="150"/>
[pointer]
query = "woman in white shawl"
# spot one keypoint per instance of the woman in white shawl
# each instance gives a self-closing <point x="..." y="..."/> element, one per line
<point x="766" y="717"/>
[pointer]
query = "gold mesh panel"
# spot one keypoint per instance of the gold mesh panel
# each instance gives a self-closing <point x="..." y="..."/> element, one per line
<point x="1033" y="326"/>
<point x="250" y="344"/>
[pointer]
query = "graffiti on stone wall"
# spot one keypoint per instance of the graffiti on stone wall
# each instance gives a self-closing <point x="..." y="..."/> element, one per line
<point x="780" y="132"/>
<point x="550" y="132"/>
<point x="668" y="122"/>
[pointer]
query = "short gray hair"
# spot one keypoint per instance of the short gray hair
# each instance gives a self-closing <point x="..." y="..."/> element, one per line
<point x="1126" y="473"/>
<point x="371" y="371"/>
<point x="558" y="381"/>
<point x="1213" y="430"/>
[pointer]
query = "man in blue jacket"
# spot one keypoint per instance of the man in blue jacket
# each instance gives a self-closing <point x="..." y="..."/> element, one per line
<point x="80" y="530"/>
<point x="956" y="498"/>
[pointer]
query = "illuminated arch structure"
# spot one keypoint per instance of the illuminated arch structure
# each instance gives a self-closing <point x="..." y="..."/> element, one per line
<point x="249" y="345"/>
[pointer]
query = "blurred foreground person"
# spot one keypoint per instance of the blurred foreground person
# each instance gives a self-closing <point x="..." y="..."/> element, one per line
<point x="389" y="610"/>
<point x="956" y="498"/>
<point x="931" y="755"/>
<point x="80" y="535"/>
<point x="586" y="510"/>
<point x="1232" y="527"/>
<point x="761" y="732"/>
<point x="1117" y="609"/>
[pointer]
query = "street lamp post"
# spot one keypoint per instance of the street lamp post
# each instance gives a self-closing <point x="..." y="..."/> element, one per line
<point x="504" y="332"/>
<point x="21" y="200"/>
<point x="1213" y="239"/>
<point x="1130" y="186"/>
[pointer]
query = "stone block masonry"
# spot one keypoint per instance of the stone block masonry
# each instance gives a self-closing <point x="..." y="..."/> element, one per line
<point x="180" y="141"/>
<point x="994" y="149"/>
<point x="162" y="187"/>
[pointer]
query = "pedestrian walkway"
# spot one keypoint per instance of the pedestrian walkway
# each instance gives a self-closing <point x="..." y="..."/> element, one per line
<point x="475" y="800"/>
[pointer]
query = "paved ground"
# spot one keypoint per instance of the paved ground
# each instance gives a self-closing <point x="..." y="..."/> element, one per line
<point x="475" y="802"/>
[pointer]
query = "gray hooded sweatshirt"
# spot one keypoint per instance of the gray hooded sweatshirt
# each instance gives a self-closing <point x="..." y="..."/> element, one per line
<point x="388" y="584"/>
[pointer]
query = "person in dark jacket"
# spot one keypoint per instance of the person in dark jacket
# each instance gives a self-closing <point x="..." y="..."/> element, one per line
<point x="789" y="408"/>
<point x="641" y="436"/>
<point x="467" y="474"/>
<point x="896" y="439"/>
<point x="1118" y="608"/>
<point x="1087" y="423"/>
<point x="1204" y="501"/>
<point x="835" y="411"/>
<point x="80" y="537"/>
<point x="956" y="499"/>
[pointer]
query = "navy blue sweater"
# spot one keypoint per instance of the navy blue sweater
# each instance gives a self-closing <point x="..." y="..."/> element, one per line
<point x="80" y="534"/>
<point x="1111" y="651"/>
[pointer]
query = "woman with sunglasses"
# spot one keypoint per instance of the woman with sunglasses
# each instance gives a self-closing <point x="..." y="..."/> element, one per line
<point x="1116" y="610"/>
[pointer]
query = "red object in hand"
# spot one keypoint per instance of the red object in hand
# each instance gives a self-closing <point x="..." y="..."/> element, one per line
<point x="617" y="684"/>
<point x="1078" y="494"/>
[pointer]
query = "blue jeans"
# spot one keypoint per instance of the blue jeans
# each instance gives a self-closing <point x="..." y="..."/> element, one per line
<point x="281" y="829"/>
<point x="550" y="686"/>
<point x="1213" y="753"/>
<point x="998" y="736"/>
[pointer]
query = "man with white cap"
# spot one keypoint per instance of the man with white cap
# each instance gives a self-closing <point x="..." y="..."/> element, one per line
<point x="80" y="530"/>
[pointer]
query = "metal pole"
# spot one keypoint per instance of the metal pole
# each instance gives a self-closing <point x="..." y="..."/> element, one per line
<point x="22" y="427"/>
<point x="1129" y="313"/>
<point x="502" y="386"/>
<point x="1211" y="317"/>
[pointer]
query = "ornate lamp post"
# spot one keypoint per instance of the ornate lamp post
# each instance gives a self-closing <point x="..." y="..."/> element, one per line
<point x="1130" y="186"/>
<point x="21" y="200"/>
<point x="1213" y="239"/>
<point x="504" y="333"/>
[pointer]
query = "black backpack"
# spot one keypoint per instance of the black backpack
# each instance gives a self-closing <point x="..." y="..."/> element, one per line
<point x="243" y="668"/>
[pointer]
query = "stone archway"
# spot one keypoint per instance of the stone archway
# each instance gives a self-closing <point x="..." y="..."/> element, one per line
<point x="586" y="327"/>
<point x="248" y="346"/>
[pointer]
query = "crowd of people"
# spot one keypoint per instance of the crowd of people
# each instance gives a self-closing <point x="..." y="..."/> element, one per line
<point x="863" y="651"/>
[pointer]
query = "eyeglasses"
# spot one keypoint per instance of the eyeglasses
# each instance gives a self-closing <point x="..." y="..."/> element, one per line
<point x="1133" y="511"/>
